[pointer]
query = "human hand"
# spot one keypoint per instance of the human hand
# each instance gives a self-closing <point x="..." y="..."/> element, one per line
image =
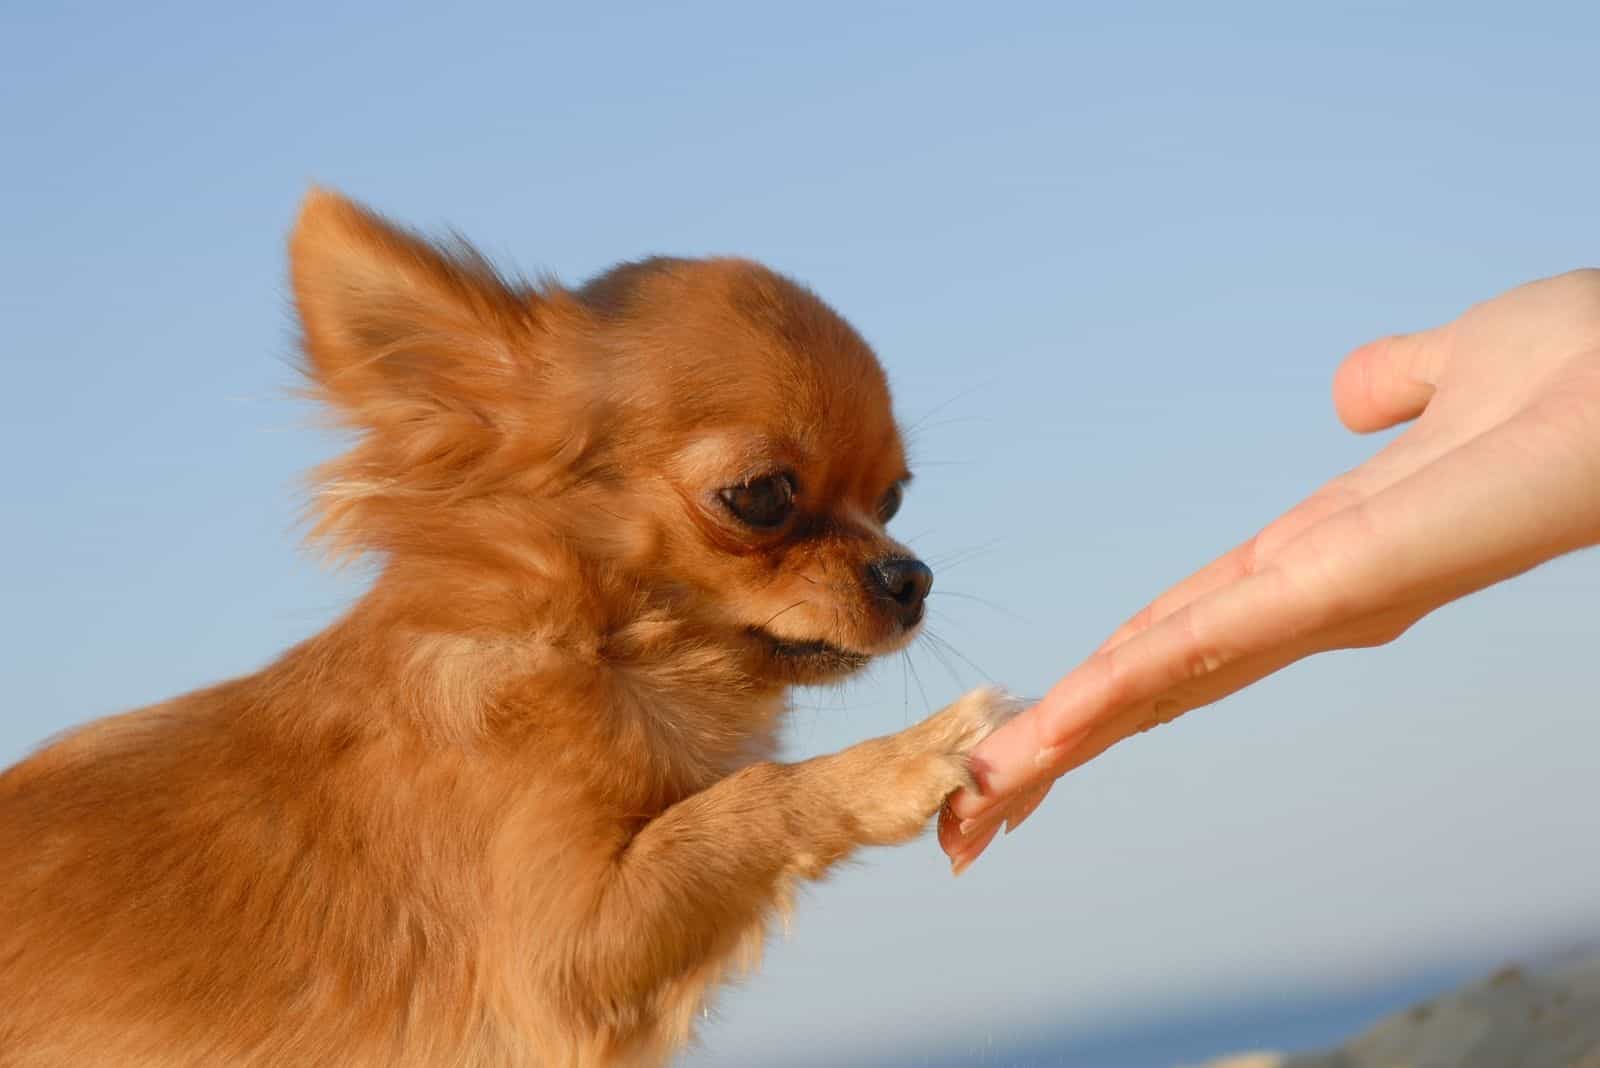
<point x="1500" y="472"/>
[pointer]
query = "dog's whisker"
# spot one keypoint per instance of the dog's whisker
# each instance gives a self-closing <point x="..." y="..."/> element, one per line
<point x="905" y="686"/>
<point x="955" y="420"/>
<point x="960" y="396"/>
<point x="775" y="615"/>
<point x="959" y="557"/>
<point x="917" y="678"/>
<point x="927" y="642"/>
<point x="959" y="655"/>
<point x="960" y="595"/>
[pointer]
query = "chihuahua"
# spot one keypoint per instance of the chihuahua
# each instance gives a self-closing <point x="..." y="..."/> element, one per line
<point x="518" y="806"/>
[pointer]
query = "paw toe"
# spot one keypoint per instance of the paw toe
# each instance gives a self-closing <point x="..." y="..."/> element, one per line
<point x="986" y="709"/>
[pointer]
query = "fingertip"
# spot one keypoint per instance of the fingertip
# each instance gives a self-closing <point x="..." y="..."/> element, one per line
<point x="968" y="856"/>
<point x="963" y="805"/>
<point x="1352" y="389"/>
<point x="1383" y="382"/>
<point x="951" y="838"/>
<point x="1349" y="387"/>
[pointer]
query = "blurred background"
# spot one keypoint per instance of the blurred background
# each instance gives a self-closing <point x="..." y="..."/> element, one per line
<point x="1110" y="255"/>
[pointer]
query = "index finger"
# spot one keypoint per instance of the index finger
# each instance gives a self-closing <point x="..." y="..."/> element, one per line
<point x="1197" y="655"/>
<point x="1242" y="560"/>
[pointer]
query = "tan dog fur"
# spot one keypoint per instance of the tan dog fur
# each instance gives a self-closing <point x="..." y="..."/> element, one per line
<point x="517" y="807"/>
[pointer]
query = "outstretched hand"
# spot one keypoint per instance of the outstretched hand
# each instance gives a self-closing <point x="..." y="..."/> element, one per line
<point x="1499" y="472"/>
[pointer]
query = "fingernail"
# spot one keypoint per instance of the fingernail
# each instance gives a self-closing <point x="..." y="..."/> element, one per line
<point x="973" y="851"/>
<point x="1046" y="756"/>
<point x="966" y="827"/>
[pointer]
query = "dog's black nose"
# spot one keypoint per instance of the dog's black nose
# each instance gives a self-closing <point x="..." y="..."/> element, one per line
<point x="904" y="581"/>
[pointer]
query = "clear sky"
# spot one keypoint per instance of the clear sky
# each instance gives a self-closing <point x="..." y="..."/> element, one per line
<point x="1110" y="254"/>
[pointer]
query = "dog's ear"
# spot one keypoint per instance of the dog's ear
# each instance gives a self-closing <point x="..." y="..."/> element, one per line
<point x="397" y="329"/>
<point x="439" y="365"/>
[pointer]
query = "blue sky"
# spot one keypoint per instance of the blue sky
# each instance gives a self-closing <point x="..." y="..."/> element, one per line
<point x="1111" y="253"/>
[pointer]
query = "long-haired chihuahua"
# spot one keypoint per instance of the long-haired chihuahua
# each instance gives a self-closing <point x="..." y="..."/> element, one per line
<point x="518" y="806"/>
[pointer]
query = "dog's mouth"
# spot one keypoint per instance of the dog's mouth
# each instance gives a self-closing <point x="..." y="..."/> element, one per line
<point x="813" y="657"/>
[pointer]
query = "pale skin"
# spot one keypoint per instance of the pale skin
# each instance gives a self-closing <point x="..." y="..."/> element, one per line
<point x="1498" y="472"/>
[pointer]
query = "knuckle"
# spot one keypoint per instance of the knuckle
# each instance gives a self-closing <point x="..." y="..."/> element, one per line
<point x="1201" y="655"/>
<point x="1159" y="713"/>
<point x="1202" y="662"/>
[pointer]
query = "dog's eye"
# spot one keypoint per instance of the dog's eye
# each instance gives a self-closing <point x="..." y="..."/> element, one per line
<point x="890" y="503"/>
<point x="763" y="502"/>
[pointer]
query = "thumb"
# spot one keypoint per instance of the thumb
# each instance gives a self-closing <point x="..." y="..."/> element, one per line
<point x="1387" y="381"/>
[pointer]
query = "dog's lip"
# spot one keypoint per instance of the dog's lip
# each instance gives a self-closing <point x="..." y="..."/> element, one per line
<point x="813" y="649"/>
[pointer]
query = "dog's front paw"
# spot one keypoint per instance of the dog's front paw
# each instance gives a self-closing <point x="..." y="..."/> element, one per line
<point x="959" y="727"/>
<point x="908" y="775"/>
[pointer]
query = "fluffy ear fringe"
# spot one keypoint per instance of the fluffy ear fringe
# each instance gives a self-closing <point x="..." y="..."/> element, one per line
<point x="391" y="320"/>
<point x="432" y="358"/>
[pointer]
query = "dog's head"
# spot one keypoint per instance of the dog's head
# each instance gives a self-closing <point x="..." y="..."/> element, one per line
<point x="700" y="434"/>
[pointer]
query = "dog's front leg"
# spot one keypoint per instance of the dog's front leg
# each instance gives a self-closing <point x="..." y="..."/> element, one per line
<point x="704" y="874"/>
